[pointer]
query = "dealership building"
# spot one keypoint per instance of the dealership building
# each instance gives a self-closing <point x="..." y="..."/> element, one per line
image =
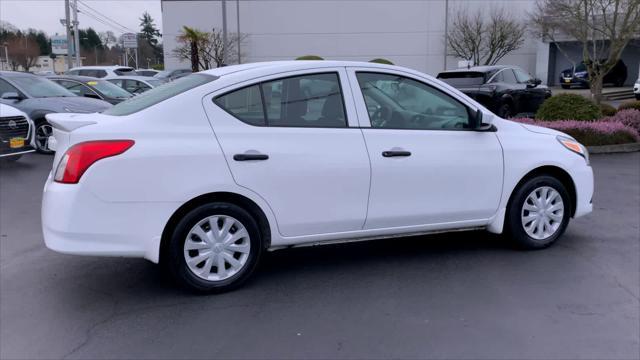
<point x="407" y="32"/>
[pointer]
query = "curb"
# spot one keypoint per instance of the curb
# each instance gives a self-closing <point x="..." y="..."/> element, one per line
<point x="612" y="149"/>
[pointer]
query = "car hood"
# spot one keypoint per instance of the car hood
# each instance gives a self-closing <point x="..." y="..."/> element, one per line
<point x="544" y="130"/>
<point x="75" y="104"/>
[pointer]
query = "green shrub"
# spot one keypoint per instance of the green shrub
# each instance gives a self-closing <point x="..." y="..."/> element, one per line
<point x="608" y="110"/>
<point x="630" y="105"/>
<point x="309" y="57"/>
<point x="381" y="61"/>
<point x="568" y="106"/>
<point x="158" y="67"/>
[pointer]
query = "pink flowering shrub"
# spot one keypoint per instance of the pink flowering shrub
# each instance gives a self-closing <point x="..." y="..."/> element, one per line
<point x="608" y="131"/>
<point x="629" y="117"/>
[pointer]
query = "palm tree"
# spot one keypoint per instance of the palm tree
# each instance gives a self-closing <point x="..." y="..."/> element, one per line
<point x="193" y="37"/>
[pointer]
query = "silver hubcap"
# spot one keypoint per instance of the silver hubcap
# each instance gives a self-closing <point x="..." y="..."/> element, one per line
<point x="42" y="136"/>
<point x="217" y="248"/>
<point x="542" y="213"/>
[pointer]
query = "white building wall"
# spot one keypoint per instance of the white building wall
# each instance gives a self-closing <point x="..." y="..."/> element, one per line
<point x="408" y="32"/>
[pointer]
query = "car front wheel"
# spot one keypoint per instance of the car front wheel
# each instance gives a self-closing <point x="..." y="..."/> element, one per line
<point x="214" y="248"/>
<point x="538" y="212"/>
<point x="43" y="131"/>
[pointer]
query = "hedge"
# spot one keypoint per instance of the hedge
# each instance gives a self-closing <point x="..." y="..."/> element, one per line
<point x="591" y="133"/>
<point x="568" y="106"/>
<point x="630" y="105"/>
<point x="309" y="57"/>
<point x="381" y="61"/>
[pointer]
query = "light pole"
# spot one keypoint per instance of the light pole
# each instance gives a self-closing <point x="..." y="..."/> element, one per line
<point x="224" y="32"/>
<point x="238" y="24"/>
<point x="446" y="31"/>
<point x="6" y="54"/>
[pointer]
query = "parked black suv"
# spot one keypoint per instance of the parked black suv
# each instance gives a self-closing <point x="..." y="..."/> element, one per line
<point x="578" y="76"/>
<point x="505" y="90"/>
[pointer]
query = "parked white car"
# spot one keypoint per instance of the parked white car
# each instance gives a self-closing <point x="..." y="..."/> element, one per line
<point x="136" y="84"/>
<point x="16" y="133"/>
<point x="207" y="172"/>
<point x="636" y="89"/>
<point x="102" y="71"/>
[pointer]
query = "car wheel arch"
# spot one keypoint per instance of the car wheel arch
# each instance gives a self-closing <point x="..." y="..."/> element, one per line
<point x="229" y="197"/>
<point x="556" y="172"/>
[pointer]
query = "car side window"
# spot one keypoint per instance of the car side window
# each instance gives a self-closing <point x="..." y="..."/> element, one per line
<point x="313" y="100"/>
<point x="522" y="76"/>
<point x="100" y="73"/>
<point x="305" y="101"/>
<point x="508" y="76"/>
<point x="73" y="72"/>
<point x="5" y="87"/>
<point x="398" y="102"/>
<point x="245" y="104"/>
<point x="498" y="78"/>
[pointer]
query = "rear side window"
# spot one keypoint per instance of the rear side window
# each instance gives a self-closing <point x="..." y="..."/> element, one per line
<point x="313" y="100"/>
<point x="161" y="93"/>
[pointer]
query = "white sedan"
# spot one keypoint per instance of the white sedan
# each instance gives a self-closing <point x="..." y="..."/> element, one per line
<point x="207" y="172"/>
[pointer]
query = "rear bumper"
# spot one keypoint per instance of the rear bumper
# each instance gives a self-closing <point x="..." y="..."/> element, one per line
<point x="75" y="221"/>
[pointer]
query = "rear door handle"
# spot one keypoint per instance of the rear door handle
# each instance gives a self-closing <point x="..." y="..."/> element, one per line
<point x="248" y="157"/>
<point x="394" y="153"/>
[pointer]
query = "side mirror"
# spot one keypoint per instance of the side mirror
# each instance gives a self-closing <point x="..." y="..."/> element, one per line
<point x="482" y="125"/>
<point x="533" y="83"/>
<point x="11" y="96"/>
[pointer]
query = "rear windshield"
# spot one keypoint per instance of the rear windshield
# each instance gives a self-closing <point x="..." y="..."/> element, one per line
<point x="158" y="94"/>
<point x="462" y="78"/>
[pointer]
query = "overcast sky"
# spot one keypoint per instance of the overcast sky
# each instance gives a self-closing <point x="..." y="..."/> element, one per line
<point x="46" y="14"/>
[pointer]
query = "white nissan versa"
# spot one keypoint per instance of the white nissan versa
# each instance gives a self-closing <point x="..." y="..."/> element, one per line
<point x="205" y="173"/>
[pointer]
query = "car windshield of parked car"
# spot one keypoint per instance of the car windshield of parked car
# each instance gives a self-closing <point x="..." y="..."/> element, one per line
<point x="39" y="87"/>
<point x="581" y="67"/>
<point x="463" y="78"/>
<point x="155" y="83"/>
<point x="163" y="74"/>
<point x="161" y="93"/>
<point x="109" y="89"/>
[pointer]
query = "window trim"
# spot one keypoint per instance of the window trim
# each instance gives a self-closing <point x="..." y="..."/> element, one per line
<point x="264" y="105"/>
<point x="470" y="111"/>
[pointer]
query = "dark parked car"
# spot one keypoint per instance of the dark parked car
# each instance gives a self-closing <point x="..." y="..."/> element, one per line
<point x="505" y="90"/>
<point x="38" y="96"/>
<point x="92" y="88"/>
<point x="169" y="75"/>
<point x="578" y="76"/>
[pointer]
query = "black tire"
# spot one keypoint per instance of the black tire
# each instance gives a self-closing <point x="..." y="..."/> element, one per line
<point x="176" y="263"/>
<point x="42" y="127"/>
<point x="514" y="227"/>
<point x="505" y="111"/>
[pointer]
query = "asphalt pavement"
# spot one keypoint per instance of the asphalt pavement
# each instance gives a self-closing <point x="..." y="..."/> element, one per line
<point x="463" y="295"/>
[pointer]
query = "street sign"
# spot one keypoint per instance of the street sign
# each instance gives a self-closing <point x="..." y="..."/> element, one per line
<point x="130" y="41"/>
<point x="59" y="44"/>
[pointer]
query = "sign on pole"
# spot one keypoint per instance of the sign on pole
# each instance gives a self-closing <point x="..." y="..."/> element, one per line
<point x="59" y="44"/>
<point x="130" y="41"/>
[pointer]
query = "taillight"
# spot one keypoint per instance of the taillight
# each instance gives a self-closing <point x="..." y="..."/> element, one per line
<point x="81" y="156"/>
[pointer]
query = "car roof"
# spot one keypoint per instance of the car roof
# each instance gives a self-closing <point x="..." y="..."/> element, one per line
<point x="73" y="77"/>
<point x="483" y="69"/>
<point x="132" y="77"/>
<point x="108" y="67"/>
<point x="15" y="74"/>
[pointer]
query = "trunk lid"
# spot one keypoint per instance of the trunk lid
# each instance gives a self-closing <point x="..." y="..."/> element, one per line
<point x="63" y="125"/>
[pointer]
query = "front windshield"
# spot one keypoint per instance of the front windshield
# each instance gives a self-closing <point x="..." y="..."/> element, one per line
<point x="38" y="87"/>
<point x="109" y="89"/>
<point x="162" y="74"/>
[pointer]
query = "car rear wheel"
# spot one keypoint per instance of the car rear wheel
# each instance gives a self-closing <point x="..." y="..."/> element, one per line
<point x="214" y="248"/>
<point x="505" y="111"/>
<point x="538" y="212"/>
<point x="43" y="131"/>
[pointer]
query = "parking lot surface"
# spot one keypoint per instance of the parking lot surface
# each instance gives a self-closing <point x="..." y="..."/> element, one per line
<point x="462" y="295"/>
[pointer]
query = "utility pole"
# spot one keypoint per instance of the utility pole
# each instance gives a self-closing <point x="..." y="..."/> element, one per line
<point x="238" y="23"/>
<point x="446" y="31"/>
<point x="76" y="33"/>
<point x="67" y="25"/>
<point x="224" y="32"/>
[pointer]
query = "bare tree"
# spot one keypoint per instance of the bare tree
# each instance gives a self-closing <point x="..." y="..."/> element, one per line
<point x="484" y="40"/>
<point x="603" y="27"/>
<point x="23" y="51"/>
<point x="206" y="49"/>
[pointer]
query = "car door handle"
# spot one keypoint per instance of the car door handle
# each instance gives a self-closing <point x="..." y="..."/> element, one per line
<point x="248" y="157"/>
<point x="393" y="153"/>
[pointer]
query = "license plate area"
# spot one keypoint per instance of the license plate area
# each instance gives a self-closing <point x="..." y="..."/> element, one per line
<point x="16" y="143"/>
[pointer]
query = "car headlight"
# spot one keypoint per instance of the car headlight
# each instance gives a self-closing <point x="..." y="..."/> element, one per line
<point x="574" y="146"/>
